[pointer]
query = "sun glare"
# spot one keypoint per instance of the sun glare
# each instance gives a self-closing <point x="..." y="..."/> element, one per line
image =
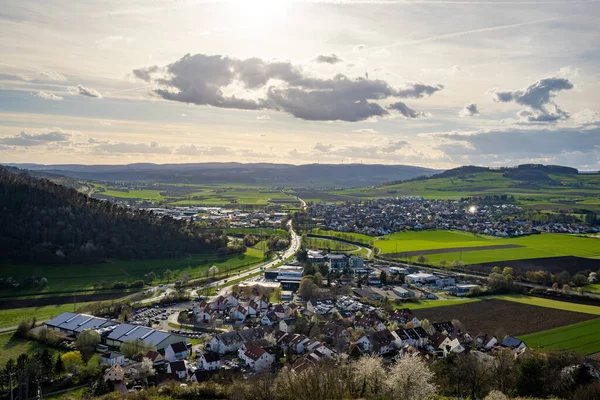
<point x="472" y="209"/>
<point x="262" y="11"/>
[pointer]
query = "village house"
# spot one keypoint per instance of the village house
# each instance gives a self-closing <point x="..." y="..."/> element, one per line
<point x="176" y="351"/>
<point x="114" y="374"/>
<point x="263" y="302"/>
<point x="334" y="333"/>
<point x="369" y="322"/>
<point x="255" y="357"/>
<point x="513" y="343"/>
<point x="252" y="308"/>
<point x="156" y="358"/>
<point x="219" y="304"/>
<point x="178" y="369"/>
<point x="287" y="325"/>
<point x="238" y="314"/>
<point x="204" y="313"/>
<point x="232" y="300"/>
<point x="282" y="311"/>
<point x="209" y="361"/>
<point x="111" y="358"/>
<point x="320" y="306"/>
<point x="269" y="318"/>
<point x="485" y="341"/>
<point x="337" y="261"/>
<point x="379" y="342"/>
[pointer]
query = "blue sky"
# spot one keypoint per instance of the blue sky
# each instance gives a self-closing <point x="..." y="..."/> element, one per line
<point x="430" y="83"/>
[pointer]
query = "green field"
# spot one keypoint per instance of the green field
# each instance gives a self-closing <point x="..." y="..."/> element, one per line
<point x="12" y="317"/>
<point x="582" y="337"/>
<point x="257" y="232"/>
<point x="348" y="236"/>
<point x="324" y="244"/>
<point x="12" y="347"/>
<point x="69" y="277"/>
<point x="565" y="192"/>
<point x="548" y="303"/>
<point x="533" y="246"/>
<point x="434" y="303"/>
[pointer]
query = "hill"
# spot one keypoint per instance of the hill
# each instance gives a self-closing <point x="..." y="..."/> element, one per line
<point x="257" y="174"/>
<point x="43" y="222"/>
<point x="538" y="186"/>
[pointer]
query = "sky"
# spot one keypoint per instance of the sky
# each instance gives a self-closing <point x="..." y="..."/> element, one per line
<point x="433" y="83"/>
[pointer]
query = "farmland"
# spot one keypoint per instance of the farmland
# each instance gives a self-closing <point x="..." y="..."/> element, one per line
<point x="200" y="195"/>
<point x="329" y="245"/>
<point x="69" y="277"/>
<point x="12" y="317"/>
<point x="581" y="337"/>
<point x="501" y="317"/>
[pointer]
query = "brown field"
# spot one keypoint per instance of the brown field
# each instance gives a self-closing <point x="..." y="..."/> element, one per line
<point x="501" y="318"/>
<point x="416" y="253"/>
<point x="571" y="264"/>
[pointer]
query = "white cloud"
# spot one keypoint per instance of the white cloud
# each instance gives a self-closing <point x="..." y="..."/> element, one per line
<point x="48" y="95"/>
<point x="365" y="130"/>
<point x="84" y="91"/>
<point x="263" y="117"/>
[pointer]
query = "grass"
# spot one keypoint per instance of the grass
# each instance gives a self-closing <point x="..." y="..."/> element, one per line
<point x="581" y="337"/>
<point x="548" y="303"/>
<point x="324" y="244"/>
<point x="257" y="232"/>
<point x="534" y="246"/>
<point x="68" y="277"/>
<point x="434" y="303"/>
<point x="12" y="346"/>
<point x="348" y="236"/>
<point x="12" y="317"/>
<point x="70" y="395"/>
<point x="594" y="288"/>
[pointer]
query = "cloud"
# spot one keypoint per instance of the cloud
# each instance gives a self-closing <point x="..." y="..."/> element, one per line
<point x="332" y="59"/>
<point x="274" y="85"/>
<point x="193" y="150"/>
<point x="538" y="98"/>
<point x="35" y="139"/>
<point x="522" y="142"/>
<point x="365" y="130"/>
<point x="418" y="90"/>
<point x="406" y="111"/>
<point x="392" y="147"/>
<point x="263" y="117"/>
<point x="322" y="148"/>
<point x="123" y="147"/>
<point x="48" y="95"/>
<point x="52" y="76"/>
<point x="84" y="91"/>
<point x="470" y="110"/>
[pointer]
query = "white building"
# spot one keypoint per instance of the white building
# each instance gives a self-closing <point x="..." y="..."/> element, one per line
<point x="421" y="277"/>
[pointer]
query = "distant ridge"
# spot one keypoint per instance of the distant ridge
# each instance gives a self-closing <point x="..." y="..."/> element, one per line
<point x="266" y="174"/>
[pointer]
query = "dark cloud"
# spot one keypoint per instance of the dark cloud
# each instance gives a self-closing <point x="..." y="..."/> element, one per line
<point x="200" y="79"/>
<point x="470" y="110"/>
<point x="85" y="91"/>
<point x="406" y="111"/>
<point x="523" y="142"/>
<point x="538" y="98"/>
<point x="332" y="59"/>
<point x="35" y="139"/>
<point x="323" y="148"/>
<point x="392" y="147"/>
<point x="418" y="90"/>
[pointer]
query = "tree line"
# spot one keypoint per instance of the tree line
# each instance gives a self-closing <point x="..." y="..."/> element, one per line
<point x="43" y="222"/>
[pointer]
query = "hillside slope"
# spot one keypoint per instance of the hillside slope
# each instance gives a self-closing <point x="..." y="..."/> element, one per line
<point x="546" y="187"/>
<point x="260" y="174"/>
<point x="43" y="222"/>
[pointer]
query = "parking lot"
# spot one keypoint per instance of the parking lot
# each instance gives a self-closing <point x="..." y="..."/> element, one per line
<point x="155" y="314"/>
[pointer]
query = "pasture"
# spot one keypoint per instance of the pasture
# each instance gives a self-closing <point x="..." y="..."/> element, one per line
<point x="581" y="337"/>
<point x="328" y="245"/>
<point x="500" y="318"/>
<point x="69" y="277"/>
<point x="12" y="346"/>
<point x="347" y="236"/>
<point x="465" y="247"/>
<point x="12" y="317"/>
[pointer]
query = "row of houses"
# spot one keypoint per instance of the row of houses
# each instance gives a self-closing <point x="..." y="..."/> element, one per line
<point x="233" y="306"/>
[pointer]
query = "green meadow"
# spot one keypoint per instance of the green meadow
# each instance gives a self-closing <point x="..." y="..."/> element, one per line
<point x="69" y="277"/>
<point x="581" y="337"/>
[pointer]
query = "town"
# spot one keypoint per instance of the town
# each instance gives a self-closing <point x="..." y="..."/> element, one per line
<point x="491" y="215"/>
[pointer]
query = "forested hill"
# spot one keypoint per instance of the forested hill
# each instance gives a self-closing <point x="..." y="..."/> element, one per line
<point x="43" y="222"/>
